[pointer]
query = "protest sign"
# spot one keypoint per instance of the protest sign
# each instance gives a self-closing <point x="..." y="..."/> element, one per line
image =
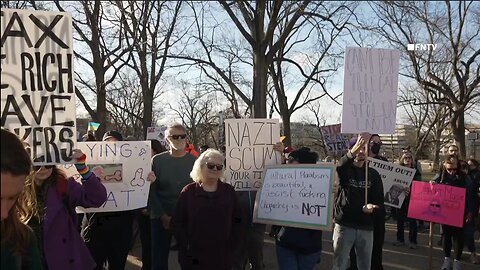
<point x="437" y="203"/>
<point x="370" y="90"/>
<point x="249" y="148"/>
<point x="158" y="133"/>
<point x="296" y="196"/>
<point x="395" y="178"/>
<point x="334" y="140"/>
<point x="37" y="93"/>
<point x="123" y="168"/>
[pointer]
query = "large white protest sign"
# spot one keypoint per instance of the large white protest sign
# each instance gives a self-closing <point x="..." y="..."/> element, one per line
<point x="123" y="168"/>
<point x="370" y="87"/>
<point x="334" y="140"/>
<point x="37" y="93"/>
<point x="249" y="148"/>
<point x="296" y="196"/>
<point x="395" y="178"/>
<point x="158" y="133"/>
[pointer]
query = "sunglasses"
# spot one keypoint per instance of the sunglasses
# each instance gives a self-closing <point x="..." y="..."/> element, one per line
<point x="213" y="166"/>
<point x="435" y="205"/>
<point x="36" y="168"/>
<point x="408" y="158"/>
<point x="178" y="137"/>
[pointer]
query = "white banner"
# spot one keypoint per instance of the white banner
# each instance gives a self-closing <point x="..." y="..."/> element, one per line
<point x="158" y="133"/>
<point x="370" y="90"/>
<point x="395" y="178"/>
<point x="37" y="92"/>
<point x="123" y="168"/>
<point x="249" y="148"/>
<point x="297" y="196"/>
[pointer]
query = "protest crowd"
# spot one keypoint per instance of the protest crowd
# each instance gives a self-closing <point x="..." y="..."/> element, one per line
<point x="70" y="203"/>
<point x="189" y="202"/>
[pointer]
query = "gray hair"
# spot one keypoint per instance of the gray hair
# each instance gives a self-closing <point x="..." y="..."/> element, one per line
<point x="196" y="173"/>
<point x="174" y="126"/>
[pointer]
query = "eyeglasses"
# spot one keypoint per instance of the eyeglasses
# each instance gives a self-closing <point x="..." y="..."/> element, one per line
<point x="213" y="166"/>
<point x="36" y="168"/>
<point x="407" y="158"/>
<point x="435" y="205"/>
<point x="178" y="137"/>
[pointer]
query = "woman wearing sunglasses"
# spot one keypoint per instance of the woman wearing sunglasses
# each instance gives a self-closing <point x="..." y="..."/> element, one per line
<point x="407" y="160"/>
<point x="207" y="219"/>
<point x="452" y="175"/>
<point x="48" y="206"/>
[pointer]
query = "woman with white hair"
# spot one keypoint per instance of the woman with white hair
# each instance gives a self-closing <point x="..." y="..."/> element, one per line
<point x="207" y="219"/>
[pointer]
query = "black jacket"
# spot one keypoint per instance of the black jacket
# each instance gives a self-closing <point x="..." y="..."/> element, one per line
<point x="350" y="197"/>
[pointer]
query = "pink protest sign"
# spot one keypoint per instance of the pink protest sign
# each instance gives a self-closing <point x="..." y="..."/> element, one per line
<point x="437" y="203"/>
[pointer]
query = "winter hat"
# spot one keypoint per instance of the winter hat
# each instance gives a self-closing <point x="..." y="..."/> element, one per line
<point x="113" y="134"/>
<point x="304" y="156"/>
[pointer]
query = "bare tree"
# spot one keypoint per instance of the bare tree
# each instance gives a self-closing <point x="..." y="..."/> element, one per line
<point x="96" y="28"/>
<point x="311" y="54"/>
<point x="125" y="104"/>
<point x="196" y="111"/>
<point x="257" y="25"/>
<point x="429" y="118"/>
<point x="451" y="72"/>
<point x="150" y="30"/>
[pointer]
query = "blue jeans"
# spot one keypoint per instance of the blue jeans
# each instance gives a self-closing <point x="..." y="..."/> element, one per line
<point x="344" y="238"/>
<point x="161" y="240"/>
<point x="290" y="260"/>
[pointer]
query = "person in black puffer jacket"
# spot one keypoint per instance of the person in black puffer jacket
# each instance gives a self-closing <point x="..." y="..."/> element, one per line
<point x="299" y="249"/>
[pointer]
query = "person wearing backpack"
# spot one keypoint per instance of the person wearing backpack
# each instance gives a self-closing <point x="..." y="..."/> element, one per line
<point x="19" y="249"/>
<point x="48" y="207"/>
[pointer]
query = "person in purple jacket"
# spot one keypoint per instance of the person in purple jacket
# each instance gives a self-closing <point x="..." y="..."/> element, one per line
<point x="49" y="200"/>
<point x="207" y="220"/>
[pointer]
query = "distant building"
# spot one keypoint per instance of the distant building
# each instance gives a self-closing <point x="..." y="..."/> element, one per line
<point x="404" y="136"/>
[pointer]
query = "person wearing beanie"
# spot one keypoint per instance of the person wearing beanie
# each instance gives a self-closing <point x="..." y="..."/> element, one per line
<point x="109" y="235"/>
<point x="299" y="249"/>
<point x="354" y="221"/>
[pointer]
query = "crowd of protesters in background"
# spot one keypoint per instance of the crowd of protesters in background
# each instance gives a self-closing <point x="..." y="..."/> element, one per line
<point x="210" y="221"/>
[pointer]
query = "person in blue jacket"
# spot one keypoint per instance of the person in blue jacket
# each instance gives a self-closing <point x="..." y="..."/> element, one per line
<point x="299" y="249"/>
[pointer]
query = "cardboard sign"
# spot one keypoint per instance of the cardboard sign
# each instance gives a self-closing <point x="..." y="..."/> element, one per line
<point x="37" y="92"/>
<point x="334" y="140"/>
<point x="249" y="148"/>
<point x="158" y="133"/>
<point x="437" y="203"/>
<point x="396" y="179"/>
<point x="370" y="90"/>
<point x="123" y="168"/>
<point x="296" y="196"/>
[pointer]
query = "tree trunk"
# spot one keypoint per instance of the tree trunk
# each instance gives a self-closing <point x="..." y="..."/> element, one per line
<point x="259" y="84"/>
<point x="286" y="129"/>
<point x="101" y="115"/>
<point x="457" y="124"/>
<point x="436" y="150"/>
<point x="147" y="112"/>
